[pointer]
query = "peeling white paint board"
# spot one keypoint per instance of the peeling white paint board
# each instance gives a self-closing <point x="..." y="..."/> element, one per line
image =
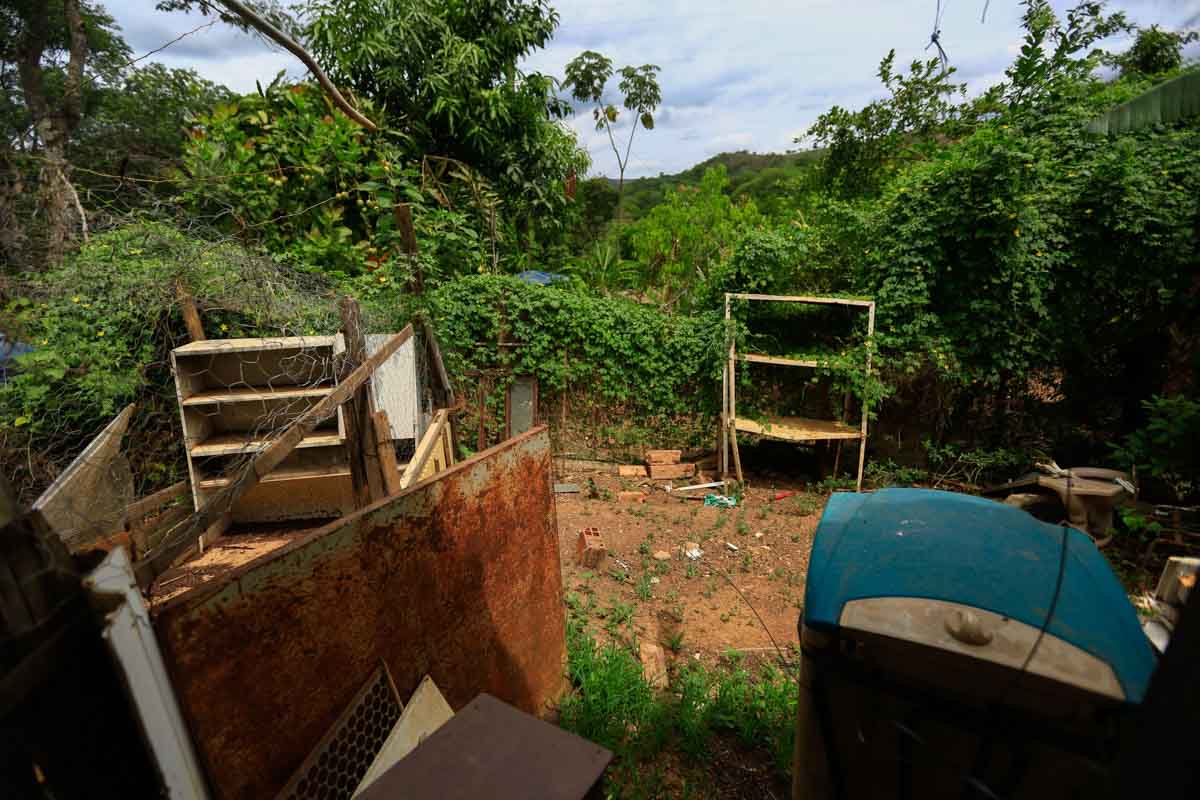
<point x="395" y="387"/>
<point x="129" y="635"/>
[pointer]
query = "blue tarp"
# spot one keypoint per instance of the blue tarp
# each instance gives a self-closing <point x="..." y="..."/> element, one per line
<point x="962" y="549"/>
<point x="541" y="278"/>
<point x="8" y="352"/>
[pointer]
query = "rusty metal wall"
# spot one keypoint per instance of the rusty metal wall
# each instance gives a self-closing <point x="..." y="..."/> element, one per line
<point x="457" y="577"/>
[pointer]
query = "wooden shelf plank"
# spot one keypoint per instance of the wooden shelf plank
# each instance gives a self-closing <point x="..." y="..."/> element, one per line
<point x="301" y="473"/>
<point x="222" y="346"/>
<point x="785" y="298"/>
<point x="228" y="444"/>
<point x="248" y="394"/>
<point x="779" y="361"/>
<point x="798" y="429"/>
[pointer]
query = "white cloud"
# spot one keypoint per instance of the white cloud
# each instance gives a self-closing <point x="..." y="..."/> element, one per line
<point x="747" y="75"/>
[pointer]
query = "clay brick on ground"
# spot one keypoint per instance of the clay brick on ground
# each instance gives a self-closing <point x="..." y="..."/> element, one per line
<point x="663" y="456"/>
<point x="665" y="471"/>
<point x="631" y="497"/>
<point x="631" y="471"/>
<point x="590" y="547"/>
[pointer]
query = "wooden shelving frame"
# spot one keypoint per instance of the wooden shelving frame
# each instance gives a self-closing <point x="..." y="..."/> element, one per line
<point x="792" y="429"/>
<point x="235" y="394"/>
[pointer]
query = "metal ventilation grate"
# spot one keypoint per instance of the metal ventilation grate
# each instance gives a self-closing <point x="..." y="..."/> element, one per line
<point x="336" y="765"/>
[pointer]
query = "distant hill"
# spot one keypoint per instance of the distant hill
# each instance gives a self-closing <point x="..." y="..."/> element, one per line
<point x="758" y="175"/>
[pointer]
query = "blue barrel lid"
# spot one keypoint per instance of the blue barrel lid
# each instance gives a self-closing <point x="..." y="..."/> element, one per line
<point x="963" y="549"/>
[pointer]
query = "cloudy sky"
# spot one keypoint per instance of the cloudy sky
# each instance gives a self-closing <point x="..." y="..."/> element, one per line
<point x="744" y="75"/>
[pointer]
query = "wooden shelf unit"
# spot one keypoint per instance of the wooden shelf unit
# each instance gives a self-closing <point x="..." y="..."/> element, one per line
<point x="235" y="395"/>
<point x="791" y="429"/>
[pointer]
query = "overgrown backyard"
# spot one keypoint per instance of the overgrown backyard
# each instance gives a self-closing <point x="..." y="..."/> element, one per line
<point x="1035" y="275"/>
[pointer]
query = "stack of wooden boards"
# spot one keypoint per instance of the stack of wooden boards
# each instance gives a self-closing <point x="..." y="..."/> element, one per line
<point x="661" y="465"/>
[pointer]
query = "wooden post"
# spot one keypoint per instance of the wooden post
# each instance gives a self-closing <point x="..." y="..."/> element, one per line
<point x="727" y="400"/>
<point x="360" y="430"/>
<point x="862" y="442"/>
<point x="191" y="316"/>
<point x="403" y="215"/>
<point x="481" y="442"/>
<point x="386" y="453"/>
<point x="263" y="463"/>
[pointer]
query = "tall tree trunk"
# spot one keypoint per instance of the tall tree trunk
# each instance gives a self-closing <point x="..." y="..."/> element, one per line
<point x="54" y="195"/>
<point x="54" y="125"/>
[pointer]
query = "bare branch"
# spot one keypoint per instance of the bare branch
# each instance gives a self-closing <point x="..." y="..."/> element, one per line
<point x="292" y="46"/>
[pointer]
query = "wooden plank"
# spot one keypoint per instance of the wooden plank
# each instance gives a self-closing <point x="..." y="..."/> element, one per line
<point x="443" y="391"/>
<point x="737" y="457"/>
<point x="386" y="453"/>
<point x="140" y="509"/>
<point x="230" y="444"/>
<point x="251" y="394"/>
<point x="395" y="388"/>
<point x="663" y="456"/>
<point x="263" y="463"/>
<point x="779" y="361"/>
<point x="798" y="429"/>
<point x="221" y="346"/>
<point x="786" y="298"/>
<point x="88" y="499"/>
<point x="284" y="474"/>
<point x="425" y="449"/>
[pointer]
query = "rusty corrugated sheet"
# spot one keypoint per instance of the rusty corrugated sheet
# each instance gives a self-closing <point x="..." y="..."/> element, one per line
<point x="457" y="577"/>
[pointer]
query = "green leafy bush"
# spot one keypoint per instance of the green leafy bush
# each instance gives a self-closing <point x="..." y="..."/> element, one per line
<point x="102" y="326"/>
<point x="610" y="350"/>
<point x="283" y="168"/>
<point x="1167" y="447"/>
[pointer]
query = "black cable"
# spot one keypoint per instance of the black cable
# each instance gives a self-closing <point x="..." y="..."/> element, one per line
<point x="1062" y="568"/>
<point x="935" y="37"/>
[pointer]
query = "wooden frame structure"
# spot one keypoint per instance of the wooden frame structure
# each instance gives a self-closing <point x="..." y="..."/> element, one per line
<point x="792" y="429"/>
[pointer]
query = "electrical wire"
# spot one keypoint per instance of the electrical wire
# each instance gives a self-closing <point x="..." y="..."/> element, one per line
<point x="935" y="37"/>
<point x="782" y="658"/>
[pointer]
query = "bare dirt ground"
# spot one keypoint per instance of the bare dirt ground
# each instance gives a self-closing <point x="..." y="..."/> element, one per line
<point x="755" y="558"/>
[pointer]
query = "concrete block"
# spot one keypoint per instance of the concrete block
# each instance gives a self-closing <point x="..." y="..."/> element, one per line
<point x="671" y="471"/>
<point x="663" y="456"/>
<point x="590" y="548"/>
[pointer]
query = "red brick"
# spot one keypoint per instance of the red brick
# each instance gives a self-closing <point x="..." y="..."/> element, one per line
<point x="631" y="497"/>
<point x="590" y="548"/>
<point x="664" y="471"/>
<point x="663" y="456"/>
<point x="631" y="471"/>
